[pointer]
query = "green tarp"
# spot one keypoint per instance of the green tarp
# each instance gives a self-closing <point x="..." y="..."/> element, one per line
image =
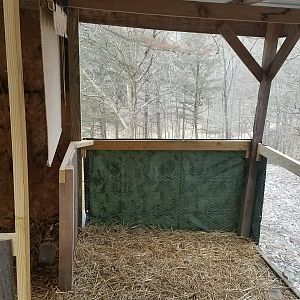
<point x="193" y="190"/>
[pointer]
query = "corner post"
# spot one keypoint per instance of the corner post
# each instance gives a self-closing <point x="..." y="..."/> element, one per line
<point x="74" y="100"/>
<point x="19" y="144"/>
<point x="270" y="49"/>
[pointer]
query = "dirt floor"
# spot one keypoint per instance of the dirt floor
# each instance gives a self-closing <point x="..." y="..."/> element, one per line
<point x="130" y="263"/>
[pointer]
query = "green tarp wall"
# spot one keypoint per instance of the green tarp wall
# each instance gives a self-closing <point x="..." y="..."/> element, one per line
<point x="193" y="190"/>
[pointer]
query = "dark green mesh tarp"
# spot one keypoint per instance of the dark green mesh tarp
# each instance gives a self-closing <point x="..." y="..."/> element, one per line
<point x="259" y="199"/>
<point x="198" y="190"/>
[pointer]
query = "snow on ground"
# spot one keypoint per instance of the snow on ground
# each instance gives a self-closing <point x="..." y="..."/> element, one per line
<point x="280" y="230"/>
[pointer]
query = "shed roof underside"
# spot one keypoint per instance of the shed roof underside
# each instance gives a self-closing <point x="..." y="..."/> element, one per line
<point x="245" y="17"/>
<point x="270" y="3"/>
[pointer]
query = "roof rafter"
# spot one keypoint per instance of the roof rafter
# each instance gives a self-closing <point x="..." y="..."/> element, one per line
<point x="194" y="9"/>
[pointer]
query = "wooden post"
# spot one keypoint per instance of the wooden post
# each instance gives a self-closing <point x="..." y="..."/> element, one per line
<point x="19" y="144"/>
<point x="74" y="73"/>
<point x="66" y="230"/>
<point x="74" y="96"/>
<point x="270" y="49"/>
<point x="7" y="287"/>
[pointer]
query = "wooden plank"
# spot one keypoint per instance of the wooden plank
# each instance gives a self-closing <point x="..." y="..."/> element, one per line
<point x="12" y="237"/>
<point x="270" y="48"/>
<point x="52" y="81"/>
<point x="79" y="189"/>
<point x="167" y="145"/>
<point x="69" y="155"/>
<point x="284" y="52"/>
<point x="7" y="287"/>
<point x="74" y="96"/>
<point x="194" y="9"/>
<point x="278" y="272"/>
<point x="175" y="23"/>
<point x="245" y="1"/>
<point x="74" y="74"/>
<point x="280" y="159"/>
<point x="66" y="231"/>
<point x="19" y="145"/>
<point x="241" y="51"/>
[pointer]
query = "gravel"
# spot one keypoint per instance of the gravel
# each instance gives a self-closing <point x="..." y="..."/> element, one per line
<point x="280" y="230"/>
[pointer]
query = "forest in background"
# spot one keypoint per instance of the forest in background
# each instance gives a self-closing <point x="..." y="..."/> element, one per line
<point x="152" y="84"/>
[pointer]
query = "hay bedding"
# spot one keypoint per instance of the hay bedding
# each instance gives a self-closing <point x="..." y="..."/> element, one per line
<point x="124" y="263"/>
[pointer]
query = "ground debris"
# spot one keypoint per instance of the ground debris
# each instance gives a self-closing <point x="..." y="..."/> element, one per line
<point x="116" y="262"/>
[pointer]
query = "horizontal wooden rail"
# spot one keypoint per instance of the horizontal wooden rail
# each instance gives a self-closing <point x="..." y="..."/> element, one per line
<point x="172" y="145"/>
<point x="279" y="158"/>
<point x="9" y="236"/>
<point x="69" y="156"/>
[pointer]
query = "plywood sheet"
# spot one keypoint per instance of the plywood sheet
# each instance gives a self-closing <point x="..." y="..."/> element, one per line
<point x="52" y="81"/>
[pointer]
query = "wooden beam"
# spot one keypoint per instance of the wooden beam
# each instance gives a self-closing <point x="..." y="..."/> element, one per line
<point x="245" y="1"/>
<point x="12" y="237"/>
<point x="67" y="160"/>
<point x="7" y="287"/>
<point x="19" y="145"/>
<point x="169" y="145"/>
<point x="284" y="52"/>
<point x="74" y="96"/>
<point x="270" y="48"/>
<point x="74" y="74"/>
<point x="66" y="231"/>
<point x="194" y="9"/>
<point x="241" y="51"/>
<point x="175" y="23"/>
<point x="280" y="159"/>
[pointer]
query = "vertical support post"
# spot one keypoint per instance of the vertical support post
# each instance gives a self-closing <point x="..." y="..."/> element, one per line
<point x="270" y="49"/>
<point x="66" y="230"/>
<point x="74" y="73"/>
<point x="74" y="94"/>
<point x="7" y="287"/>
<point x="19" y="144"/>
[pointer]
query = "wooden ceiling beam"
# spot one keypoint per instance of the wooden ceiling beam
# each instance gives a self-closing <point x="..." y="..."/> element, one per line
<point x="175" y="24"/>
<point x="193" y="9"/>
<point x="241" y="51"/>
<point x="245" y="1"/>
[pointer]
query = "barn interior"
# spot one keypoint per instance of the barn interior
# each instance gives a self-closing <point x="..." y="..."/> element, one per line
<point x="210" y="185"/>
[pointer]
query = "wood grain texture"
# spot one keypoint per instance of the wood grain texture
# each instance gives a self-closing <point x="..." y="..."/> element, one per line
<point x="69" y="156"/>
<point x="66" y="231"/>
<point x="12" y="237"/>
<point x="7" y="287"/>
<point x="241" y="28"/>
<point x="241" y="51"/>
<point x="193" y="9"/>
<point x="188" y="145"/>
<point x="279" y="158"/>
<point x="270" y="48"/>
<point x="43" y="181"/>
<point x="19" y="145"/>
<point x="74" y="99"/>
<point x="74" y="73"/>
